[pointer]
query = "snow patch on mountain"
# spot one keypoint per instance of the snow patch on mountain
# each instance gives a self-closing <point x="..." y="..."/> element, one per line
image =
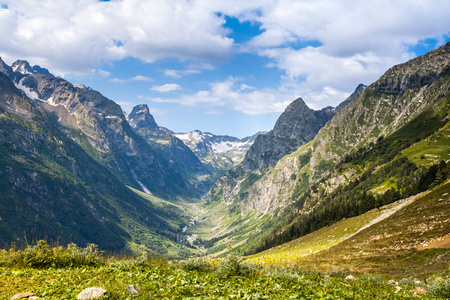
<point x="204" y="141"/>
<point x="30" y="93"/>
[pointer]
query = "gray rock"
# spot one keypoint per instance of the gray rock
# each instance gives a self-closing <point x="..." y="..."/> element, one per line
<point x="91" y="293"/>
<point x="132" y="289"/>
<point x="22" y="295"/>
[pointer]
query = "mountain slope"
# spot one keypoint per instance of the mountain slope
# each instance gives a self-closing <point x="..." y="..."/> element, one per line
<point x="396" y="239"/>
<point x="358" y="160"/>
<point x="52" y="188"/>
<point x="99" y="126"/>
<point x="171" y="147"/>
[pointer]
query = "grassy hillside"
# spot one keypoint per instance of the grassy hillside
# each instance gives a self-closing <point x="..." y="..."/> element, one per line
<point x="409" y="238"/>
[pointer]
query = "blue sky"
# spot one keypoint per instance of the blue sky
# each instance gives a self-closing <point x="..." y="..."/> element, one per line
<point x="223" y="66"/>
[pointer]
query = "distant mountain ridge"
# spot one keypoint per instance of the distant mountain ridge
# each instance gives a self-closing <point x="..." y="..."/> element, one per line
<point x="220" y="152"/>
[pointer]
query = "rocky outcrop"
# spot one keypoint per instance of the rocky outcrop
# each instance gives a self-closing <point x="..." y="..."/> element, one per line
<point x="296" y="126"/>
<point x="140" y="117"/>
<point x="23" y="67"/>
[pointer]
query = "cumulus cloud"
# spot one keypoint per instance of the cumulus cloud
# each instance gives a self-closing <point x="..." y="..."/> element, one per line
<point x="230" y="93"/>
<point x="352" y="41"/>
<point x="76" y="35"/>
<point x="168" y="87"/>
<point x="355" y="41"/>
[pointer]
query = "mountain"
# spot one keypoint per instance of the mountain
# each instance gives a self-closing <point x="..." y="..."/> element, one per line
<point x="167" y="143"/>
<point x="219" y="152"/>
<point x="99" y="126"/>
<point x="23" y="67"/>
<point x="297" y="125"/>
<point x="67" y="158"/>
<point x="389" y="142"/>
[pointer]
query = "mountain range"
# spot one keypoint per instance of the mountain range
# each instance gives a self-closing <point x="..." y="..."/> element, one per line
<point x="76" y="168"/>
<point x="218" y="152"/>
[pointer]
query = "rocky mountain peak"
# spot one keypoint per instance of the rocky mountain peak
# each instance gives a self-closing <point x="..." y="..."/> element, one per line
<point x="140" y="117"/>
<point x="358" y="89"/>
<point x="23" y="67"/>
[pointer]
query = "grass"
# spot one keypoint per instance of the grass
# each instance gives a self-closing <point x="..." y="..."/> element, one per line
<point x="156" y="278"/>
<point x="400" y="245"/>
<point x="323" y="238"/>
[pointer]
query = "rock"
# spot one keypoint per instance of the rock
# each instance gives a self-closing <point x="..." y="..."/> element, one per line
<point x="197" y="286"/>
<point x="419" y="291"/>
<point x="393" y="282"/>
<point x="91" y="293"/>
<point x="132" y="289"/>
<point x="417" y="282"/>
<point x="350" y="277"/>
<point x="22" y="295"/>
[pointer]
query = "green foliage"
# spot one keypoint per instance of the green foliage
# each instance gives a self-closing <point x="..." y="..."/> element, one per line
<point x="234" y="265"/>
<point x="42" y="255"/>
<point x="156" y="278"/>
<point x="440" y="287"/>
<point x="336" y="272"/>
<point x="198" y="264"/>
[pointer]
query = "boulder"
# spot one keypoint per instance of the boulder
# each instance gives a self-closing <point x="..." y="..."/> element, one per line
<point x="91" y="293"/>
<point x="22" y="295"/>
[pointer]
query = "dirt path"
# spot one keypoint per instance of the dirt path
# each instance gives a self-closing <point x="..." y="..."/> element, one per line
<point x="390" y="211"/>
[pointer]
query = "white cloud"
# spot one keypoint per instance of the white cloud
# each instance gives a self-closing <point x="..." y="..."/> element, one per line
<point x="356" y="41"/>
<point x="135" y="78"/>
<point x="168" y="87"/>
<point x="74" y="36"/>
<point x="229" y="93"/>
<point x="191" y="69"/>
<point x="103" y="73"/>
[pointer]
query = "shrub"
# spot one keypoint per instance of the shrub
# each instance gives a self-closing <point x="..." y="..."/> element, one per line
<point x="407" y="282"/>
<point x="440" y="288"/>
<point x="336" y="272"/>
<point x="233" y="265"/>
<point x="198" y="264"/>
<point x="42" y="255"/>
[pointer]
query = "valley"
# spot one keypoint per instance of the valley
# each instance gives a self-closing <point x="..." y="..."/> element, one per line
<point x="362" y="187"/>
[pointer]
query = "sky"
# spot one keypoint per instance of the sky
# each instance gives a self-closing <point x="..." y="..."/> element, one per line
<point x="228" y="67"/>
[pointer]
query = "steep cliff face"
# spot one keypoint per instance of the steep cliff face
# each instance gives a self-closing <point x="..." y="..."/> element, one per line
<point x="295" y="127"/>
<point x="99" y="126"/>
<point x="171" y="147"/>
